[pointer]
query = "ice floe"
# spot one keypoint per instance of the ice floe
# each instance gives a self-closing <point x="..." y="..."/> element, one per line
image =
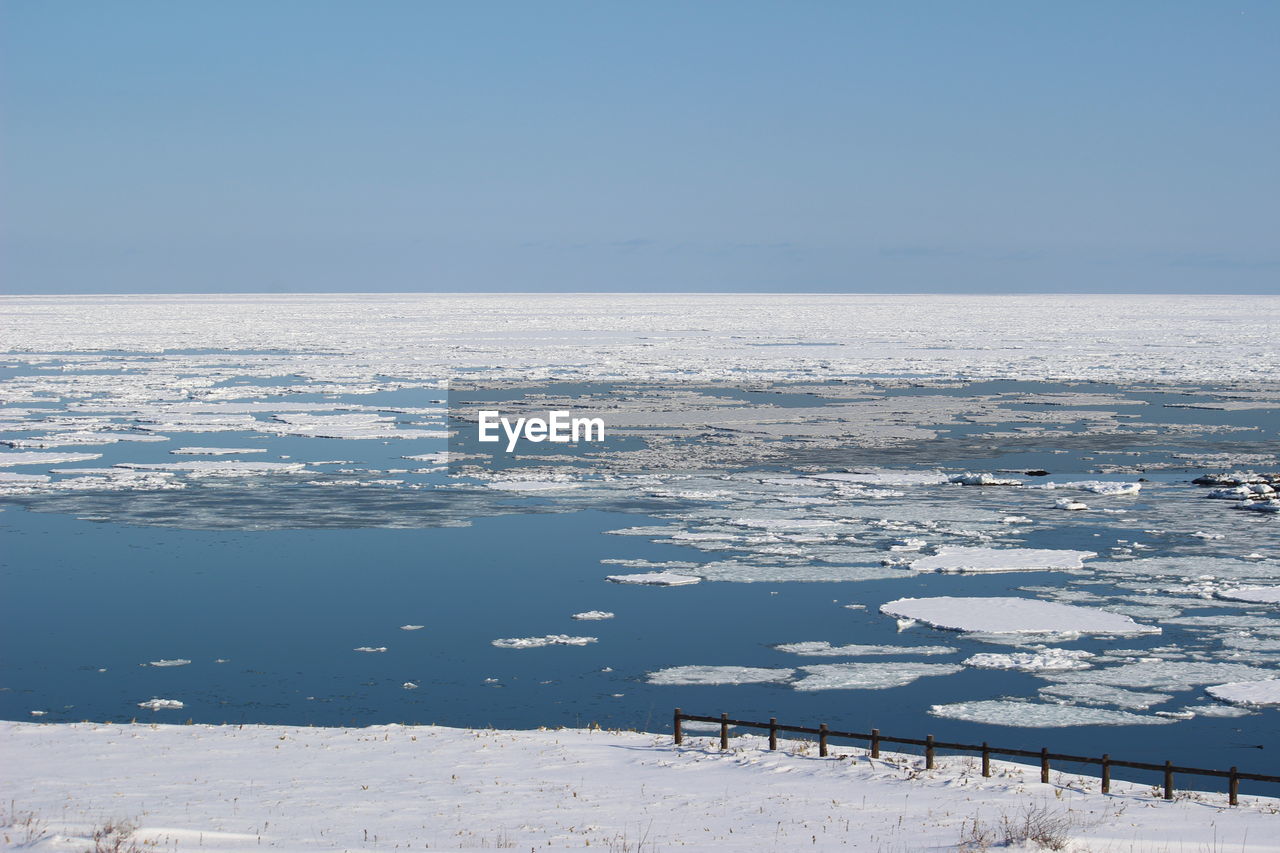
<point x="162" y="705"/>
<point x="719" y="675"/>
<point x="539" y="642"/>
<point x="1010" y="712"/>
<point x="1001" y="615"/>
<point x="820" y="648"/>
<point x="655" y="579"/>
<point x="868" y="676"/>
<point x="592" y="615"/>
<point x="1042" y="661"/>
<point x="172" y="662"/>
<point x="969" y="559"/>
<point x="1252" y="594"/>
<point x="968" y="478"/>
<point x="35" y="457"/>
<point x="216" y="451"/>
<point x="1164" y="674"/>
<point x="1087" y="693"/>
<point x="1097" y="487"/>
<point x="1248" y="693"/>
<point x="886" y="477"/>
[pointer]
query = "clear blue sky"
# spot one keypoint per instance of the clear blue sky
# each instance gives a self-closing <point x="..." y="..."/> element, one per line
<point x="973" y="145"/>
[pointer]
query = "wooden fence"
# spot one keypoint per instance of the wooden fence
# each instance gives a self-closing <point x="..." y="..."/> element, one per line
<point x="1106" y="762"/>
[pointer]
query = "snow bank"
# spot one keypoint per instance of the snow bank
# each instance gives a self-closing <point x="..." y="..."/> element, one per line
<point x="429" y="787"/>
<point x="1012" y="616"/>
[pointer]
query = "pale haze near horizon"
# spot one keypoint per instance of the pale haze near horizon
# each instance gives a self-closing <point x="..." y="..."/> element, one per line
<point x="794" y="147"/>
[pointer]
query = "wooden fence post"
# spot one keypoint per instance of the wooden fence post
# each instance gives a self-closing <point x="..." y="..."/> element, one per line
<point x="875" y="743"/>
<point x="986" y="759"/>
<point x="1106" y="773"/>
<point x="1044" y="764"/>
<point x="676" y="728"/>
<point x="822" y="741"/>
<point x="724" y="731"/>
<point x="928" y="752"/>
<point x="1168" y="780"/>
<point x="1233" y="787"/>
<point x="773" y="733"/>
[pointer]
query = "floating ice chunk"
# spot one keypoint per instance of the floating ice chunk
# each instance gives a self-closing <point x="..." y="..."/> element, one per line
<point x="719" y="675"/>
<point x="1016" y="519"/>
<point x="1085" y="693"/>
<point x="908" y="545"/>
<point x="1272" y="505"/>
<point x="230" y="468"/>
<point x="1010" y="712"/>
<point x="655" y="579"/>
<point x="346" y="426"/>
<point x="869" y="676"/>
<point x="592" y="615"/>
<point x="783" y="523"/>
<point x="1012" y="615"/>
<point x="1165" y="674"/>
<point x="370" y="649"/>
<point x="173" y="662"/>
<point x="814" y="571"/>
<point x="412" y="627"/>
<point x="1097" y="487"/>
<point x="35" y="457"/>
<point x="1217" y="710"/>
<point x="80" y="439"/>
<point x="886" y="477"/>
<point x="819" y="648"/>
<point x="216" y="451"/>
<point x="1254" y="594"/>
<point x="38" y="713"/>
<point x="1068" y="504"/>
<point x="7" y="477"/>
<point x="1248" y="693"/>
<point x="161" y="705"/>
<point x="440" y="457"/>
<point x="534" y="485"/>
<point x="539" y="642"/>
<point x="969" y="559"/>
<point x="409" y="685"/>
<point x="1047" y="660"/>
<point x="968" y="478"/>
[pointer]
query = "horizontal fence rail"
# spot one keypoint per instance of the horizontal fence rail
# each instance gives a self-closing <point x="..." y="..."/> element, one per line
<point x="875" y="739"/>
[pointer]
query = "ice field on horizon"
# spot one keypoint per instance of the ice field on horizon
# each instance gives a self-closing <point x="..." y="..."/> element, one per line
<point x="1058" y="515"/>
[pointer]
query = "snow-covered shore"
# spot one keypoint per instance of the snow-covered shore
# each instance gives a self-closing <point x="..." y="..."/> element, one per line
<point x="429" y="787"/>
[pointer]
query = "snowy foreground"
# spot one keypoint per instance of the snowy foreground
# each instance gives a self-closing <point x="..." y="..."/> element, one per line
<point x="384" y="787"/>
